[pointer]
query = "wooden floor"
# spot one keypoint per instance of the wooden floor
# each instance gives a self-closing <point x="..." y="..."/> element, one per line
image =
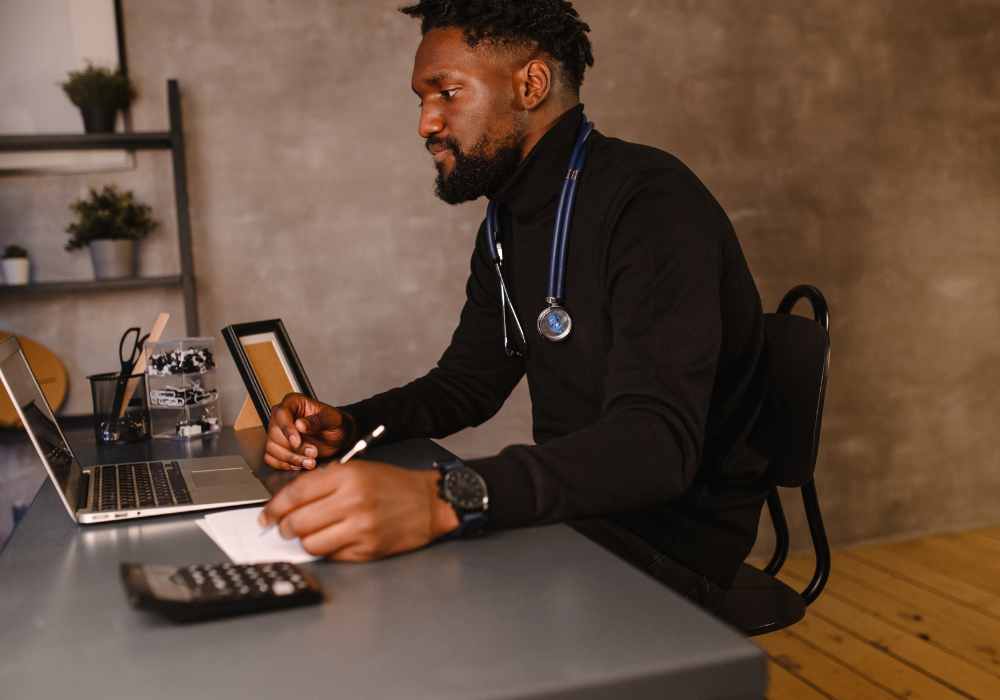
<point x="905" y="620"/>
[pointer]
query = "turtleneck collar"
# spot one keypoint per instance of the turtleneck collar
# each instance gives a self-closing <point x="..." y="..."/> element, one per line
<point x="539" y="177"/>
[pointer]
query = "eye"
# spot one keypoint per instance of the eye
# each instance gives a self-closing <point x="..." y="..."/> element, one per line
<point x="449" y="93"/>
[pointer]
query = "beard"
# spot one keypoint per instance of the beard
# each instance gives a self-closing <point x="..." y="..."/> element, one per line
<point x="481" y="170"/>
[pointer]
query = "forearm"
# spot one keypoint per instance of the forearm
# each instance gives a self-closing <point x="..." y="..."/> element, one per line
<point x="436" y="405"/>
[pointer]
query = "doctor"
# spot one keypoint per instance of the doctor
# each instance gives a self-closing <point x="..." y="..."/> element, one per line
<point x="608" y="274"/>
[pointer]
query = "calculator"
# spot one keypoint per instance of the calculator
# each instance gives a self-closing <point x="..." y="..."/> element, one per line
<point x="215" y="590"/>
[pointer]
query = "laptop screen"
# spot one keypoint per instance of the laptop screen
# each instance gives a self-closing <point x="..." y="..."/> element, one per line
<point x="39" y="421"/>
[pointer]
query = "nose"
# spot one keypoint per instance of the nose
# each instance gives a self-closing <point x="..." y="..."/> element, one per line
<point x="430" y="123"/>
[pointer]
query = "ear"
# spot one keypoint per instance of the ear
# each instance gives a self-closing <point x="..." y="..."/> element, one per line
<point x="532" y="83"/>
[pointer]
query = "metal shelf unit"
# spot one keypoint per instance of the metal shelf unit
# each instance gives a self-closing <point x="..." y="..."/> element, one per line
<point x="173" y="141"/>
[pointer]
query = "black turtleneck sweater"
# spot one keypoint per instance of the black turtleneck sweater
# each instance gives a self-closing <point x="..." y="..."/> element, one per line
<point x="650" y="412"/>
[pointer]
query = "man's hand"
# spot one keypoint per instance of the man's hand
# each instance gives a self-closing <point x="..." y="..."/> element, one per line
<point x="302" y="430"/>
<point x="361" y="511"/>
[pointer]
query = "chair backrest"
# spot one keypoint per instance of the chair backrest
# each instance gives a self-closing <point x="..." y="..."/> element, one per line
<point x="801" y="351"/>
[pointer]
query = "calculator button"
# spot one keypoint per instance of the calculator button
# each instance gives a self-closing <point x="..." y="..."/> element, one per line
<point x="283" y="588"/>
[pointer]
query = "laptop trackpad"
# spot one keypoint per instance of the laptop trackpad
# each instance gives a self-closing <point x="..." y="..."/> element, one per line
<point x="221" y="477"/>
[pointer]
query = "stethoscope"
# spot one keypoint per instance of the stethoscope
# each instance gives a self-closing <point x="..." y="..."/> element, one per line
<point x="554" y="323"/>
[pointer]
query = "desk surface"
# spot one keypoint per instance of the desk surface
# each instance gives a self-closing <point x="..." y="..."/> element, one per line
<point x="533" y="613"/>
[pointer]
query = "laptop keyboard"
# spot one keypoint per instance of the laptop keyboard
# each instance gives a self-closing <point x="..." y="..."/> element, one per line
<point x="139" y="485"/>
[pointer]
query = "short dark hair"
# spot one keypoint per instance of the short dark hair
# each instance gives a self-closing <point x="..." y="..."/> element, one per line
<point x="552" y="25"/>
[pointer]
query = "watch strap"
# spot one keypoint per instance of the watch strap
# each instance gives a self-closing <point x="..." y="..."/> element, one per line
<point x="470" y="523"/>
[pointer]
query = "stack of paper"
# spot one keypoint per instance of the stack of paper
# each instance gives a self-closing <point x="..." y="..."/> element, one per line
<point x="238" y="534"/>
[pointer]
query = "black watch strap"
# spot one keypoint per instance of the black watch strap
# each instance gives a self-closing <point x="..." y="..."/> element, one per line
<point x="469" y="521"/>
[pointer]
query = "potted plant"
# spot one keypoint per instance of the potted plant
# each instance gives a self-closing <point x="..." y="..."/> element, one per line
<point x="110" y="222"/>
<point x="15" y="265"/>
<point x="99" y="93"/>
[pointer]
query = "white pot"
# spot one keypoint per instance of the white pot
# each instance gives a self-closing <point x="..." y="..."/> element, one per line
<point x="113" y="258"/>
<point x="15" y="270"/>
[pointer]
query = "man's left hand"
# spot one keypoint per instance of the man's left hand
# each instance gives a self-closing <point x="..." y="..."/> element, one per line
<point x="361" y="511"/>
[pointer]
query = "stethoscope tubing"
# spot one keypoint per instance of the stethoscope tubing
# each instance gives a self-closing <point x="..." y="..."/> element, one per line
<point x="560" y="247"/>
<point x="564" y="217"/>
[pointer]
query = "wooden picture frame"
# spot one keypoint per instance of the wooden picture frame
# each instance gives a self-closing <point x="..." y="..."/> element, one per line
<point x="268" y="364"/>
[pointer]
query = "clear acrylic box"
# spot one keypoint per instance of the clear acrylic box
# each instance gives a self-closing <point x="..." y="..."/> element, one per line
<point x="181" y="388"/>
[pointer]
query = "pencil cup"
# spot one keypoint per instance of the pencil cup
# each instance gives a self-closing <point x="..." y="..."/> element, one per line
<point x="121" y="413"/>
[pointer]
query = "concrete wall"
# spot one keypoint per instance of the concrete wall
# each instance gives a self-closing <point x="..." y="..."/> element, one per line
<point x="855" y="145"/>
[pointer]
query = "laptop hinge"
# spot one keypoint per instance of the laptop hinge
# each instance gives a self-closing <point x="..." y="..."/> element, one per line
<point x="81" y="501"/>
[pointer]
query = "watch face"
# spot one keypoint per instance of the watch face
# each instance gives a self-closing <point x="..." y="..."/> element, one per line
<point x="465" y="489"/>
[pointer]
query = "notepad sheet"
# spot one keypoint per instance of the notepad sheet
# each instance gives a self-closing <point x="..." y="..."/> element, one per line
<point x="238" y="534"/>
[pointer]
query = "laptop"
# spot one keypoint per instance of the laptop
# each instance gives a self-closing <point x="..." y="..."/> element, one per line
<point x="117" y="491"/>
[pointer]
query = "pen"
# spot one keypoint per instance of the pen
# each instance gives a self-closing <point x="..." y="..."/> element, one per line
<point x="359" y="447"/>
<point x="362" y="444"/>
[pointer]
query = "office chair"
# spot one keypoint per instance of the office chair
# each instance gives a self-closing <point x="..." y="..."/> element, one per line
<point x="759" y="603"/>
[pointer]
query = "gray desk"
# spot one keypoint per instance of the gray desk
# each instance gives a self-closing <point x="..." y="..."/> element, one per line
<point x="535" y="613"/>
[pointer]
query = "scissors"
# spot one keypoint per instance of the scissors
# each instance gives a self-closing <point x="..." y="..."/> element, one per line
<point x="121" y="386"/>
<point x="136" y="352"/>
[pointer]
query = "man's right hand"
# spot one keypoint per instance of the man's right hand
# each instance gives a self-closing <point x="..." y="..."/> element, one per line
<point x="302" y="430"/>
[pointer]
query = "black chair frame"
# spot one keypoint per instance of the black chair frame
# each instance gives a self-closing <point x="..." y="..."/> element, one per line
<point x="759" y="603"/>
<point x="810" y="501"/>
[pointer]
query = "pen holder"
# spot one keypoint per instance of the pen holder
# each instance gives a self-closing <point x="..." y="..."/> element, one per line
<point x="128" y="421"/>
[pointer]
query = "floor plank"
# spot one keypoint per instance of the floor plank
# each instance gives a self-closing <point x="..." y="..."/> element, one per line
<point x="947" y="582"/>
<point x="991" y="532"/>
<point x="821" y="670"/>
<point x="928" y="625"/>
<point x="952" y="560"/>
<point x="871" y="661"/>
<point x="980" y="540"/>
<point x="930" y="660"/>
<point x="918" y="619"/>
<point x="967" y="560"/>
<point x="782" y="683"/>
<point x="965" y="616"/>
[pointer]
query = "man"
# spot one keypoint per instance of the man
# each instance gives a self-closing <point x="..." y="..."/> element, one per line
<point x="648" y="417"/>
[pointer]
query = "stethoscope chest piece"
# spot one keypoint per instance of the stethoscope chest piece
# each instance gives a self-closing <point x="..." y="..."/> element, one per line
<point x="554" y="323"/>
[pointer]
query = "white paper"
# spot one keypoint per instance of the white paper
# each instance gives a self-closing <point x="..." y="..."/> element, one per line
<point x="238" y="534"/>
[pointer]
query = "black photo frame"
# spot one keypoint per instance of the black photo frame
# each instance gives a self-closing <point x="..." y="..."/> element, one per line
<point x="267" y="362"/>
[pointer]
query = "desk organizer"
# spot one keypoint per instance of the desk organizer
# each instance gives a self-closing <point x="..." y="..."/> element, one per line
<point x="181" y="388"/>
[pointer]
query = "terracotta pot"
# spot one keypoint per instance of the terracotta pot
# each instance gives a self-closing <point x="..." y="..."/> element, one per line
<point x="15" y="270"/>
<point x="99" y="120"/>
<point x="113" y="258"/>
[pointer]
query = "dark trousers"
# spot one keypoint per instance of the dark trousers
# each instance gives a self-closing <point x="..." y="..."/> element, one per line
<point x="642" y="555"/>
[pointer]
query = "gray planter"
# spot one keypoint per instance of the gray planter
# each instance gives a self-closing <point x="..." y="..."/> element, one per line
<point x="99" y="120"/>
<point x="113" y="258"/>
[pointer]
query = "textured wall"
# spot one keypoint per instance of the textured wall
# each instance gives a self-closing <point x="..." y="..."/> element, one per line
<point x="855" y="145"/>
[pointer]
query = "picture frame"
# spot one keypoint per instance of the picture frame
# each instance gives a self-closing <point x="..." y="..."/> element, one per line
<point x="268" y="364"/>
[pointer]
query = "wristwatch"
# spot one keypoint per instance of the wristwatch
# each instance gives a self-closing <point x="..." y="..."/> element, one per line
<point x="465" y="491"/>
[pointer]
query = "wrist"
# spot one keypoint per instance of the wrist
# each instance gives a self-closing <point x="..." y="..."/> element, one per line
<point x="349" y="427"/>
<point x="466" y="492"/>
<point x="444" y="520"/>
